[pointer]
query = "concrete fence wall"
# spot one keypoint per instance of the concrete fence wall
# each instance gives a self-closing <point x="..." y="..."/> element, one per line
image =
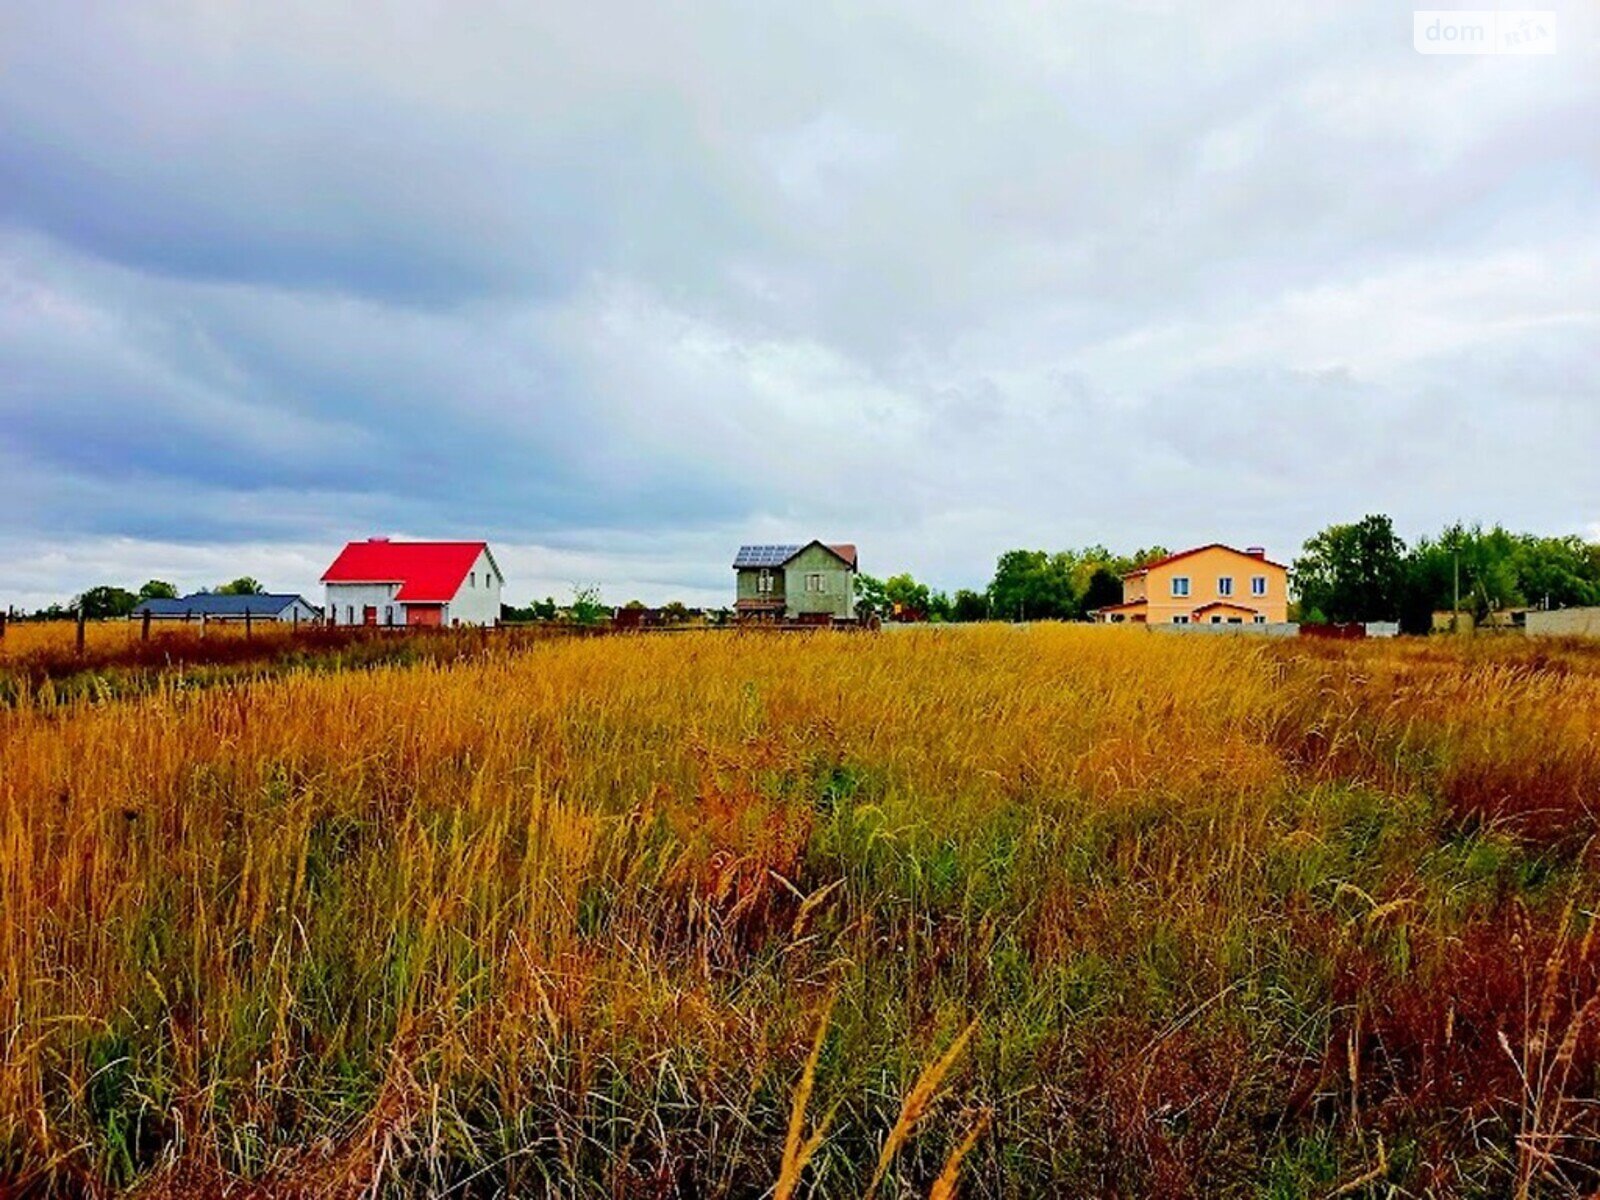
<point x="1565" y="622"/>
<point x="1271" y="629"/>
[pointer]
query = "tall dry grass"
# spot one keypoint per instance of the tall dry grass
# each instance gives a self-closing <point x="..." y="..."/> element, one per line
<point x="562" y="918"/>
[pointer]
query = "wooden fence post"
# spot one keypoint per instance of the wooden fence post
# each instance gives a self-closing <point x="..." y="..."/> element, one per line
<point x="80" y="629"/>
<point x="203" y="618"/>
<point x="2" y="627"/>
<point x="247" y="624"/>
<point x="144" y="632"/>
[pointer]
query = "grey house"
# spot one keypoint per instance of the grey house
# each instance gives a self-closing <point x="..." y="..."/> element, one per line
<point x="810" y="581"/>
<point x="217" y="607"/>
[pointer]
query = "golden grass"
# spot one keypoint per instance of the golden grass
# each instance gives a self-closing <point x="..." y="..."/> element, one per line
<point x="562" y="918"/>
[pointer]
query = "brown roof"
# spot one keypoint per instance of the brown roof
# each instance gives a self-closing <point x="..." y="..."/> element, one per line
<point x="1125" y="604"/>
<point x="1172" y="558"/>
<point x="845" y="550"/>
<point x="1226" y="604"/>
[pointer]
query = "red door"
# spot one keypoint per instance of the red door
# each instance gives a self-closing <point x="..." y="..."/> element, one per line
<point x="369" y="615"/>
<point x="430" y="615"/>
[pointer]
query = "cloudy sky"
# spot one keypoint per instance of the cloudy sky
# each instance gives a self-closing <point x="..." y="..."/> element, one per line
<point x="620" y="287"/>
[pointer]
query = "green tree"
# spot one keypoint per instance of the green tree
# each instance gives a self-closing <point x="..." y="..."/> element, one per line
<point x="1031" y="585"/>
<point x="871" y="599"/>
<point x="1104" y="588"/>
<point x="105" y="601"/>
<point x="1556" y="572"/>
<point x="588" y="607"/>
<point x="1352" y="572"/>
<point x="242" y="586"/>
<point x="158" y="589"/>
<point x="968" y="605"/>
<point x="906" y="596"/>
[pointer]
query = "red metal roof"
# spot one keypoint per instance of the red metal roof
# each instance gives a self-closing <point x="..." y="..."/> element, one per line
<point x="428" y="572"/>
<point x="1171" y="558"/>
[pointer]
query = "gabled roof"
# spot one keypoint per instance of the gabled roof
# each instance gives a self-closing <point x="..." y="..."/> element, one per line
<point x="1172" y="558"/>
<point x="215" y="604"/>
<point x="427" y="572"/>
<point x="1244" y="608"/>
<point x="1139" y="603"/>
<point x="776" y="554"/>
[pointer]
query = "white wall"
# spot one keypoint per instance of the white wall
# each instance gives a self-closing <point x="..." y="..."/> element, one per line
<point x="1565" y="622"/>
<point x="303" y="610"/>
<point x="478" y="601"/>
<point x="358" y="596"/>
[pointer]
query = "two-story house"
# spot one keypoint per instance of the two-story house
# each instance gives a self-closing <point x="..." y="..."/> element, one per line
<point x="1215" y="585"/>
<point x="814" y="581"/>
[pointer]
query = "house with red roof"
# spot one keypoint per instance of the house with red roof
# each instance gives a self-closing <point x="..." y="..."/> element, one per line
<point x="383" y="582"/>
<point x="1208" y="585"/>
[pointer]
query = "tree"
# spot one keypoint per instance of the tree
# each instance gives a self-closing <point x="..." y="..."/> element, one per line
<point x="1104" y="589"/>
<point x="1352" y="572"/>
<point x="588" y="608"/>
<point x="158" y="589"/>
<point x="105" y="601"/>
<point x="544" y="610"/>
<point x="968" y="605"/>
<point x="1556" y="572"/>
<point x="675" y="612"/>
<point x="242" y="586"/>
<point x="1031" y="585"/>
<point x="907" y="598"/>
<point x="871" y="599"/>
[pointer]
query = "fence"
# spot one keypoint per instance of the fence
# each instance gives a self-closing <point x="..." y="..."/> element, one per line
<point x="1564" y="622"/>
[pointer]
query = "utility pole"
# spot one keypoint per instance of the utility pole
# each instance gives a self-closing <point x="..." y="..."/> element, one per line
<point x="1455" y="604"/>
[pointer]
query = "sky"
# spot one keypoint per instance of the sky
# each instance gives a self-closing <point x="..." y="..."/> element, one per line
<point x="619" y="287"/>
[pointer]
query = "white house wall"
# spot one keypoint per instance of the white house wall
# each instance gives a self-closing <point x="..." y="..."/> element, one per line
<point x="342" y="597"/>
<point x="478" y="601"/>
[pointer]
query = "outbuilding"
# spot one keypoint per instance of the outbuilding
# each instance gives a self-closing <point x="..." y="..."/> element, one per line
<point x="224" y="606"/>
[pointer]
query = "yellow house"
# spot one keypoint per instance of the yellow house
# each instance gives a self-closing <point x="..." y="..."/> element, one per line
<point x="1215" y="585"/>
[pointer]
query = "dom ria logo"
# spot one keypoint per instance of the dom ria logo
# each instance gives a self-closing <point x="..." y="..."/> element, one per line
<point x="1475" y="31"/>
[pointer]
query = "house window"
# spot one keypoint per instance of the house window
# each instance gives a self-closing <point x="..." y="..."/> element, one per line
<point x="817" y="583"/>
<point x="1216" y="620"/>
<point x="1180" y="585"/>
<point x="349" y="614"/>
<point x="1180" y="620"/>
<point x="388" y="614"/>
<point x="1225" y="585"/>
<point x="472" y="579"/>
<point x="764" y="581"/>
<point x="1261" y="618"/>
<point x="1258" y="585"/>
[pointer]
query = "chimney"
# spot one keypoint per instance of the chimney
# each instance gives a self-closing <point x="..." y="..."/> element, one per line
<point x="378" y="539"/>
<point x="1257" y="551"/>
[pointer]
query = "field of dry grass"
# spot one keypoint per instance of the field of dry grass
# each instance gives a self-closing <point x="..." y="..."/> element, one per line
<point x="1014" y="912"/>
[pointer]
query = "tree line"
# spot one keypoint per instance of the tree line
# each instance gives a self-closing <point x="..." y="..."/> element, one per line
<point x="1028" y="585"/>
<point x="107" y="600"/>
<point x="1365" y="572"/>
<point x="1361" y="571"/>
